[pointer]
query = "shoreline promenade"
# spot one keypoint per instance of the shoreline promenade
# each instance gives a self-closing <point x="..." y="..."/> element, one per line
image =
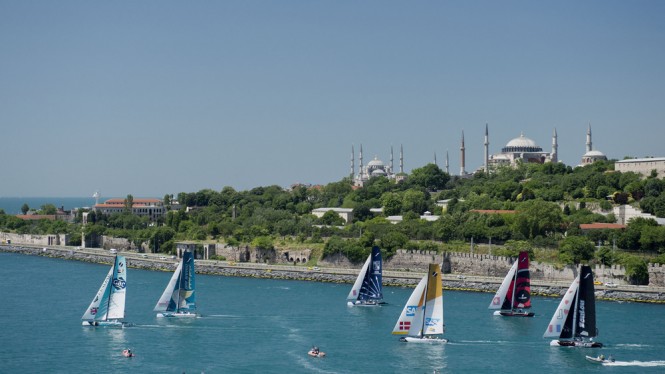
<point x="472" y="283"/>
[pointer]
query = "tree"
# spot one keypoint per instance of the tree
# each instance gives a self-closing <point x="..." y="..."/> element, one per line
<point x="129" y="203"/>
<point x="48" y="209"/>
<point x="576" y="249"/>
<point x="263" y="242"/>
<point x="392" y="241"/>
<point x="392" y="203"/>
<point x="414" y="201"/>
<point x="636" y="269"/>
<point x="429" y="176"/>
<point x="25" y="208"/>
<point x="537" y="217"/>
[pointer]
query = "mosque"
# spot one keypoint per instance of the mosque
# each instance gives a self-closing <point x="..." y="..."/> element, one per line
<point x="516" y="151"/>
<point x="376" y="168"/>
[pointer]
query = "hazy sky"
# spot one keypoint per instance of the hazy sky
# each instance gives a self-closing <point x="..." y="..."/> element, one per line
<point x="155" y="97"/>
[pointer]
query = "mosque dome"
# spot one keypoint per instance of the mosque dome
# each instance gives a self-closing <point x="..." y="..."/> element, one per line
<point x="378" y="172"/>
<point x="595" y="154"/>
<point x="375" y="163"/>
<point x="521" y="144"/>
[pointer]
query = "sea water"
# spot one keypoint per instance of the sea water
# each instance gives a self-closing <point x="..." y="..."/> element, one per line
<point x="267" y="326"/>
<point x="12" y="205"/>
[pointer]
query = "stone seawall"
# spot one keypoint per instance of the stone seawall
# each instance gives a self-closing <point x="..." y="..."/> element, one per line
<point x="498" y="266"/>
<point x="403" y="260"/>
<point x="336" y="275"/>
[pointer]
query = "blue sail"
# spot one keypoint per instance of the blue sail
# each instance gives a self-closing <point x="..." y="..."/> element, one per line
<point x="186" y="284"/>
<point x="372" y="286"/>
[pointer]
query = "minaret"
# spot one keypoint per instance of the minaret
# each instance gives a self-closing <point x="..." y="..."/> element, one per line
<point x="555" y="147"/>
<point x="353" y="167"/>
<point x="487" y="150"/>
<point x="401" y="159"/>
<point x="447" y="164"/>
<point x="360" y="171"/>
<point x="392" y="169"/>
<point x="462" y="161"/>
<point x="435" y="158"/>
<point x="588" y="139"/>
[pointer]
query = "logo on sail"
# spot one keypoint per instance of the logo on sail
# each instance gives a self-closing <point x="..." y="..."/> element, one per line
<point x="119" y="283"/>
<point x="411" y="310"/>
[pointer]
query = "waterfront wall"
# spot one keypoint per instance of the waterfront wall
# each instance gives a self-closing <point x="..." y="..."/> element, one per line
<point x="656" y="275"/>
<point x="46" y="240"/>
<point x="403" y="260"/>
<point x="497" y="266"/>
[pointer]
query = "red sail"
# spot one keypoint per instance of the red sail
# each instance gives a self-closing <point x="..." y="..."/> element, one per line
<point x="522" y="287"/>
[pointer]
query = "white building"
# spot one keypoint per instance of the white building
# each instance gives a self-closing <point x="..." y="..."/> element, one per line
<point x="345" y="213"/>
<point x="152" y="208"/>
<point x="642" y="166"/>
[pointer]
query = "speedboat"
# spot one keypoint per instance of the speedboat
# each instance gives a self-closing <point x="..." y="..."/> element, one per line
<point x="315" y="352"/>
<point x="600" y="359"/>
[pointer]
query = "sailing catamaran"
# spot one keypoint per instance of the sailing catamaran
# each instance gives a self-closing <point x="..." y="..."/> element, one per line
<point x="514" y="294"/>
<point x="179" y="299"/>
<point x="422" y="317"/>
<point x="574" y="322"/>
<point x="108" y="306"/>
<point x="367" y="290"/>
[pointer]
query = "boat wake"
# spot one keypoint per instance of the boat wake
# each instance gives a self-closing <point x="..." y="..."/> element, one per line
<point x="631" y="345"/>
<point x="476" y="342"/>
<point x="221" y="316"/>
<point x="635" y="363"/>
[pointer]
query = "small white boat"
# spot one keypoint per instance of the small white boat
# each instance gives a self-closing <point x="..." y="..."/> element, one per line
<point x="600" y="359"/>
<point x="315" y="352"/>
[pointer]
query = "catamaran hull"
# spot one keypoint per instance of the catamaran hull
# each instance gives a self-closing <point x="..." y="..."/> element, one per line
<point x="177" y="315"/>
<point x="365" y="303"/>
<point x="578" y="344"/>
<point x="514" y="314"/>
<point x="103" y="324"/>
<point x="413" y="339"/>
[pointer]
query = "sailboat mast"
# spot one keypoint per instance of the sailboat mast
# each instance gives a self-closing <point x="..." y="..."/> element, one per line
<point x="512" y="301"/>
<point x="575" y="307"/>
<point x="177" y="304"/>
<point x="110" y="288"/>
<point x="422" y="326"/>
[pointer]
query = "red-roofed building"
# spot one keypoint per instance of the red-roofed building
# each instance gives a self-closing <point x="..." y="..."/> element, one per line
<point x="493" y="211"/>
<point x="152" y="208"/>
<point x="601" y="226"/>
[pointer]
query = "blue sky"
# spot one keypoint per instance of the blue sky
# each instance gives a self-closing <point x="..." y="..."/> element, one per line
<point x="155" y="97"/>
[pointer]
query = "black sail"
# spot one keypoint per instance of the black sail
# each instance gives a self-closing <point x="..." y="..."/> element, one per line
<point x="585" y="316"/>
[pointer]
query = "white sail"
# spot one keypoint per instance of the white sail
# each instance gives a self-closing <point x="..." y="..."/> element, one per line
<point x="118" y="290"/>
<point x="355" y="290"/>
<point x="500" y="296"/>
<point x="109" y="302"/>
<point x="559" y="318"/>
<point x="434" y="316"/>
<point x="165" y="299"/>
<point x="96" y="310"/>
<point x="409" y="313"/>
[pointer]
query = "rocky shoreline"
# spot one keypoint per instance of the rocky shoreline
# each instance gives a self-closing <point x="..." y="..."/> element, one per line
<point x="404" y="279"/>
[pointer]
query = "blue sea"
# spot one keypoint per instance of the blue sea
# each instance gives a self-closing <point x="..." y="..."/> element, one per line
<point x="266" y="326"/>
<point x="12" y="205"/>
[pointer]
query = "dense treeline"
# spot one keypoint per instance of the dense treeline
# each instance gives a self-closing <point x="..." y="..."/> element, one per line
<point x="549" y="201"/>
